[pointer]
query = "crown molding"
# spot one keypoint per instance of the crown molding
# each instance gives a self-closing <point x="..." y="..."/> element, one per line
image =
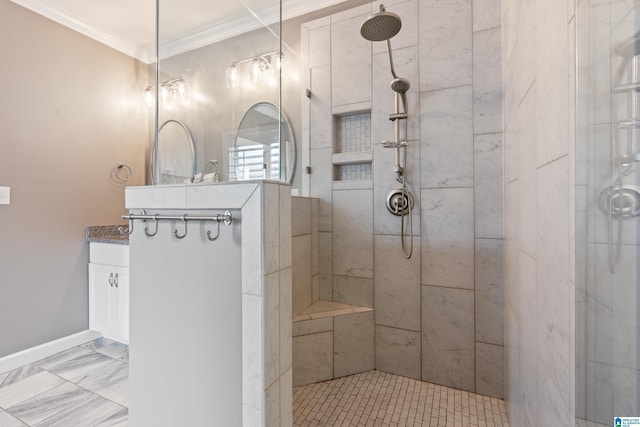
<point x="214" y="34"/>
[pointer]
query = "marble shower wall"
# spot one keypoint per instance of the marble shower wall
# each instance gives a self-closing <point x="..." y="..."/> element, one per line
<point x="607" y="342"/>
<point x="539" y="290"/>
<point x="438" y="315"/>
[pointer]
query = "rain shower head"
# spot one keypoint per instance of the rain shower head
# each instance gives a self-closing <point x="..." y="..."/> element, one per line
<point x="381" y="26"/>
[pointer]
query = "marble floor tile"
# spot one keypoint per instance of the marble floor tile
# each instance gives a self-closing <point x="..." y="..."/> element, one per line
<point x="110" y="348"/>
<point x="7" y="420"/>
<point x="110" y="381"/>
<point x="50" y="403"/>
<point x="81" y="365"/>
<point x="27" y="388"/>
<point x="92" y="412"/>
<point x="18" y="374"/>
<point x="63" y="357"/>
<point x="121" y="419"/>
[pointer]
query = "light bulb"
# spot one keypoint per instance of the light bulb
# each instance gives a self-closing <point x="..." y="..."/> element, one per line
<point x="255" y="70"/>
<point x="231" y="75"/>
<point x="148" y="96"/>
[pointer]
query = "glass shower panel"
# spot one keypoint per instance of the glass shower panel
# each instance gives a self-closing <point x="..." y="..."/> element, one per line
<point x="217" y="59"/>
<point x="607" y="196"/>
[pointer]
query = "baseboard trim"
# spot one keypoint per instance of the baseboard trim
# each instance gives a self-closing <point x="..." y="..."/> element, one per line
<point x="33" y="354"/>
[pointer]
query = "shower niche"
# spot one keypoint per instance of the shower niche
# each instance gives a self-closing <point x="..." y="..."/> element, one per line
<point x="352" y="155"/>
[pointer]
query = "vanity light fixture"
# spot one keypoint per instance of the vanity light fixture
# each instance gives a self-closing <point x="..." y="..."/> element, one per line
<point x="254" y="68"/>
<point x="174" y="88"/>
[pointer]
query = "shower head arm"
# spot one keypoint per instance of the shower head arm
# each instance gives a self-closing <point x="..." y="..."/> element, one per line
<point x="393" y="70"/>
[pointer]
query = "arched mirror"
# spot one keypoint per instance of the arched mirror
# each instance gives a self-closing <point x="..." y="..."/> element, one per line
<point x="264" y="146"/>
<point x="176" y="158"/>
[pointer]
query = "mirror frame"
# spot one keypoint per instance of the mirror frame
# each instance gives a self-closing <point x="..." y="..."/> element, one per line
<point x="283" y="120"/>
<point x="153" y="159"/>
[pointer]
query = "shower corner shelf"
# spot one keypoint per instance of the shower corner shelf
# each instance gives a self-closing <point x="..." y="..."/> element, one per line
<point x="352" y="157"/>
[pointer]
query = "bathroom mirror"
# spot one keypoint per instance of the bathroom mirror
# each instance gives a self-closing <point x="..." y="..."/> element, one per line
<point x="176" y="154"/>
<point x="264" y="146"/>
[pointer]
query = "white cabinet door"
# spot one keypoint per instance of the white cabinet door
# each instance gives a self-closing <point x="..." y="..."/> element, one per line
<point x="121" y="305"/>
<point x="100" y="296"/>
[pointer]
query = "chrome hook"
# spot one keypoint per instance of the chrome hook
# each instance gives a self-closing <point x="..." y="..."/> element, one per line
<point x="146" y="228"/>
<point x="122" y="231"/>
<point x="175" y="232"/>
<point x="213" y="239"/>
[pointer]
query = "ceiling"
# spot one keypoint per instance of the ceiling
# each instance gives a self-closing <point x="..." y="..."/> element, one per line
<point x="129" y="25"/>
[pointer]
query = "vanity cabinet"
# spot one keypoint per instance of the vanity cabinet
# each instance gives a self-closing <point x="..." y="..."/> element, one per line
<point x="109" y="290"/>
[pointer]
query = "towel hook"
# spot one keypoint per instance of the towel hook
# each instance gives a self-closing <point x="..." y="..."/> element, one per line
<point x="213" y="239"/>
<point x="146" y="228"/>
<point x="184" y="219"/>
<point x="122" y="231"/>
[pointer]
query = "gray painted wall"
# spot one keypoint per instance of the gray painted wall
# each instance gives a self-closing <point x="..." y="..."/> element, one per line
<point x="71" y="109"/>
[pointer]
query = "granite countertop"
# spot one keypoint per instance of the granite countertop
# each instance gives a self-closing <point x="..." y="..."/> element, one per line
<point x="106" y="234"/>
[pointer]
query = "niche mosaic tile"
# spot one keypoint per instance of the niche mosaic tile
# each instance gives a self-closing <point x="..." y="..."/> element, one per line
<point x="353" y="133"/>
<point x="353" y="172"/>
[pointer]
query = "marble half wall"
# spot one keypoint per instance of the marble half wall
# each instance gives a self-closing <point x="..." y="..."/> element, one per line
<point x="220" y="310"/>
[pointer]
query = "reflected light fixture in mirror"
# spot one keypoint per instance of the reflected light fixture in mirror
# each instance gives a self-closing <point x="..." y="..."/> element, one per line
<point x="253" y="68"/>
<point x="170" y="89"/>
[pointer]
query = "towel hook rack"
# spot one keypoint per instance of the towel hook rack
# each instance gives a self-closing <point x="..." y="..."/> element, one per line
<point x="183" y="235"/>
<point x="146" y="228"/>
<point x="128" y="232"/>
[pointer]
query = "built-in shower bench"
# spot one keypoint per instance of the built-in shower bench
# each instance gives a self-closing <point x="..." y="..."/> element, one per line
<point x="332" y="340"/>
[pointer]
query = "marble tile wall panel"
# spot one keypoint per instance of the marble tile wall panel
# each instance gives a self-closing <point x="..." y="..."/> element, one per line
<point x="286" y="398"/>
<point x="314" y="326"/>
<point x="626" y="391"/>
<point x="285" y="319"/>
<point x="271" y="328"/>
<point x="555" y="292"/>
<point x="355" y="12"/>
<point x="325" y="265"/>
<point x="353" y="291"/>
<point x="321" y="124"/>
<point x="351" y="61"/>
<point x="447" y="337"/>
<point x="272" y="405"/>
<point x="550" y="405"/>
<point x="252" y="357"/>
<point x="315" y="254"/>
<point x="528" y="366"/>
<point x="319" y="52"/>
<point x="284" y="214"/>
<point x="489" y="370"/>
<point x="300" y="216"/>
<point x="445" y="44"/>
<point x="527" y="221"/>
<point x="398" y="352"/>
<point x="447" y="238"/>
<point x="487" y="81"/>
<point x="321" y="178"/>
<point x="271" y="228"/>
<point x="599" y="401"/>
<point x="397" y="284"/>
<point x="488" y="193"/>
<point x="486" y="14"/>
<point x="353" y="233"/>
<point x="312" y="358"/>
<point x="552" y="77"/>
<point x="488" y="285"/>
<point x="405" y="62"/>
<point x="353" y="336"/>
<point x="252" y="247"/>
<point x="446" y="133"/>
<point x="301" y="285"/>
